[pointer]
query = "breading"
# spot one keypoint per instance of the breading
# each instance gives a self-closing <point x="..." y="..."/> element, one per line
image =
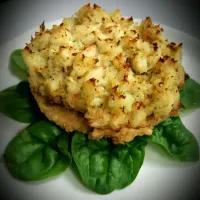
<point x="67" y="119"/>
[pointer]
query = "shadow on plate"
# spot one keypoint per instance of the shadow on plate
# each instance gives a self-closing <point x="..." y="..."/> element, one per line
<point x="73" y="176"/>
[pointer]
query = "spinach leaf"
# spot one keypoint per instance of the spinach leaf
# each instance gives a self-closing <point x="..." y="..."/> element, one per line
<point x="38" y="152"/>
<point x="18" y="103"/>
<point x="17" y="65"/>
<point x="190" y="95"/>
<point x="105" y="167"/>
<point x="176" y="139"/>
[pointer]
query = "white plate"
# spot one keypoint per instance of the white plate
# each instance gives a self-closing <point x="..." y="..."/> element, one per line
<point x="159" y="178"/>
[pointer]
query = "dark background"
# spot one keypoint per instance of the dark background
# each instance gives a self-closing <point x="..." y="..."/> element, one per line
<point x="16" y="13"/>
<point x="183" y="15"/>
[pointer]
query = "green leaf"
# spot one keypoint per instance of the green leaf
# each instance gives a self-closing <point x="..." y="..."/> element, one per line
<point x="30" y="156"/>
<point x="105" y="167"/>
<point x="18" y="103"/>
<point x="17" y="65"/>
<point x="190" y="95"/>
<point x="177" y="140"/>
<point x="166" y="122"/>
<point x="63" y="144"/>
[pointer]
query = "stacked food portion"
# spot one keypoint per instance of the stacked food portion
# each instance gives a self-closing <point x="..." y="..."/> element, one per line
<point x="105" y="75"/>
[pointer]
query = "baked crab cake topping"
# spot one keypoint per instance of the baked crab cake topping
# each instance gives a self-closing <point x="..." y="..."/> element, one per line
<point x="121" y="77"/>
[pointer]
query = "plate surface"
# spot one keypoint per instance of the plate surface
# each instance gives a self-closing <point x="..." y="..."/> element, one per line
<point x="160" y="177"/>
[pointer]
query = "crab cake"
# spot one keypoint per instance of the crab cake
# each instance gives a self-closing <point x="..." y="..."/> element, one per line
<point x="112" y="76"/>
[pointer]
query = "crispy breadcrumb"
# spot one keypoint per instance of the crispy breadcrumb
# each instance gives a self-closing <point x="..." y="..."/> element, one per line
<point x="123" y="77"/>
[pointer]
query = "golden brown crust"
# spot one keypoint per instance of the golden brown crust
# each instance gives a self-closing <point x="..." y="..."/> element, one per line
<point x="119" y="137"/>
<point x="63" y="117"/>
